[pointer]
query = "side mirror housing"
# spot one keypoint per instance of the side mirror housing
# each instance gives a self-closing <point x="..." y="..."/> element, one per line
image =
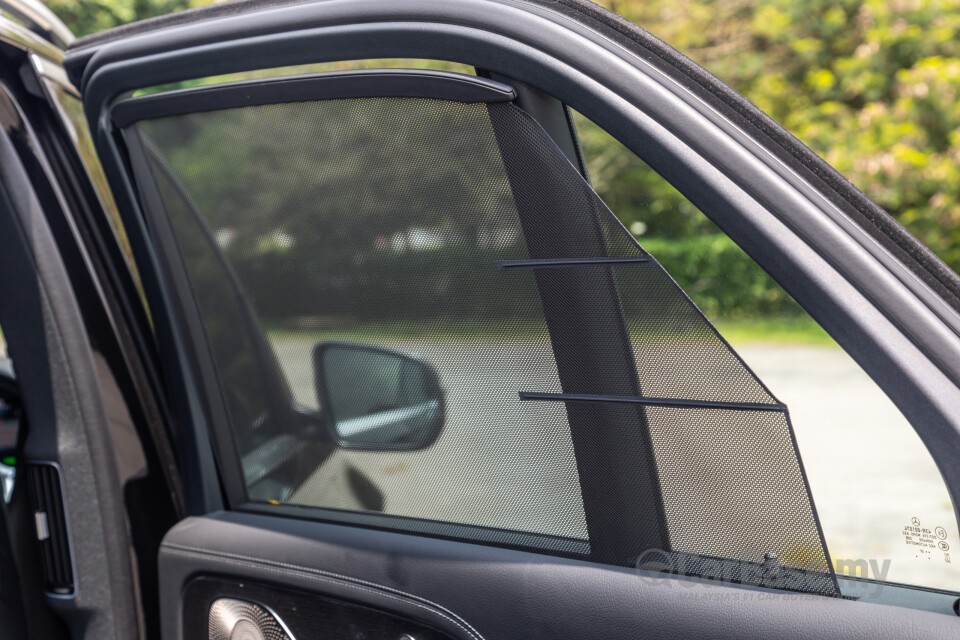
<point x="378" y="399"/>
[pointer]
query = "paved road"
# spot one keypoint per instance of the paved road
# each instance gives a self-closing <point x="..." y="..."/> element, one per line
<point x="869" y="473"/>
<point x="488" y="443"/>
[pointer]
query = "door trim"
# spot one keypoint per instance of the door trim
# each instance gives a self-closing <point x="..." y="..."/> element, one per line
<point x="479" y="591"/>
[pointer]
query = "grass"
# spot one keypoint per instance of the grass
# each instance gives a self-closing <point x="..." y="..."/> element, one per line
<point x="739" y="332"/>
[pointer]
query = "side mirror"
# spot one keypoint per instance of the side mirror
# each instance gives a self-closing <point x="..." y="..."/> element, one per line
<point x="377" y="399"/>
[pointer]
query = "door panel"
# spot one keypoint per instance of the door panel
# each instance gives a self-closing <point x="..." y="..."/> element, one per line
<point x="473" y="592"/>
<point x="213" y="605"/>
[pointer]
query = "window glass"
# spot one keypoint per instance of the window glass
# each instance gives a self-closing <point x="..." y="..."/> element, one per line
<point x="418" y="307"/>
<point x="885" y="511"/>
<point x="386" y="235"/>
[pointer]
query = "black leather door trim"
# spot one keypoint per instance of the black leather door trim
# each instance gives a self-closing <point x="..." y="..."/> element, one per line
<point x="213" y="607"/>
<point x="474" y="591"/>
<point x="324" y="582"/>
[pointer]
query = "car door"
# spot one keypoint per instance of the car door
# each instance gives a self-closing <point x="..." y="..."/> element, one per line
<point x="426" y="385"/>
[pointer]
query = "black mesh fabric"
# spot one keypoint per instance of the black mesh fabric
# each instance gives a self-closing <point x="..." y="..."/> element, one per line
<point x="459" y="233"/>
<point x="733" y="487"/>
<point x="357" y="220"/>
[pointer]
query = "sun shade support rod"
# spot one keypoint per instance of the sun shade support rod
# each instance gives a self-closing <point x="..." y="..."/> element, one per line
<point x="655" y="402"/>
<point x="567" y="262"/>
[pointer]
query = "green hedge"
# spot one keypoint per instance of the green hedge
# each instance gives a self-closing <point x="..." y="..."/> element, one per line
<point x="715" y="273"/>
<point x="721" y="278"/>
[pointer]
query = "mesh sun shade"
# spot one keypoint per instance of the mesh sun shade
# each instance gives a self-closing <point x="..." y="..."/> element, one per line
<point x="590" y="405"/>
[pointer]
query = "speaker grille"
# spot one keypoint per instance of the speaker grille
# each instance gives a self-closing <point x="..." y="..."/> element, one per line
<point x="240" y="620"/>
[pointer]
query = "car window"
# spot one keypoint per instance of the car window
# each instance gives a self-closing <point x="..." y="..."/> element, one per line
<point x="418" y="309"/>
<point x="379" y="265"/>
<point x="885" y="511"/>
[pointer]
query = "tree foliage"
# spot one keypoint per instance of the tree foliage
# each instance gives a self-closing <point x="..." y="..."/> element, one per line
<point x="89" y="16"/>
<point x="871" y="85"/>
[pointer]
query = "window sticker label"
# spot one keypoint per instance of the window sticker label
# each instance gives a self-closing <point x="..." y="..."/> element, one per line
<point x="927" y="543"/>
